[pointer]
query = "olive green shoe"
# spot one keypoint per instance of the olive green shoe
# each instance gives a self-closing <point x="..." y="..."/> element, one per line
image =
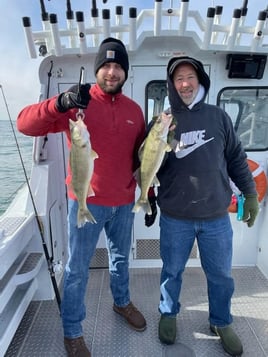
<point x="167" y="329"/>
<point x="229" y="339"/>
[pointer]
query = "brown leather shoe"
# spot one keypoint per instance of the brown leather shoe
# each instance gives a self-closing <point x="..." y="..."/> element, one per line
<point x="132" y="315"/>
<point x="76" y="347"/>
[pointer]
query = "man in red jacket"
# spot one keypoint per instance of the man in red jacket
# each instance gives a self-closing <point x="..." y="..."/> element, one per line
<point x="117" y="128"/>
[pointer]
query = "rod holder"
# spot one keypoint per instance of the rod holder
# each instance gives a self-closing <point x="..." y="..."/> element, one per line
<point x="233" y="30"/>
<point x="55" y="34"/>
<point x="81" y="32"/>
<point x="157" y="17"/>
<point x="106" y="23"/>
<point x="132" y="28"/>
<point x="29" y="36"/>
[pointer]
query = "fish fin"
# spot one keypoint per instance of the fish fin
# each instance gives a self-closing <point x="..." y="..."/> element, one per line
<point x="84" y="216"/>
<point x="168" y="148"/>
<point x="90" y="191"/>
<point x="94" y="155"/>
<point x="144" y="204"/>
<point x="141" y="149"/>
<point x="137" y="176"/>
<point x="155" y="182"/>
<point x="72" y="123"/>
<point x="68" y="182"/>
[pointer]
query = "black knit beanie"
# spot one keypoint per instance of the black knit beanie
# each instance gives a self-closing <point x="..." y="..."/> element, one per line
<point x="112" y="50"/>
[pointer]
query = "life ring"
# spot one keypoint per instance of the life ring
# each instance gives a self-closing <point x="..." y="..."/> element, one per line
<point x="260" y="181"/>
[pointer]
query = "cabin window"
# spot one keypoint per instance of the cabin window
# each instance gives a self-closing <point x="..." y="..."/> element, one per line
<point x="248" y="109"/>
<point x="246" y="106"/>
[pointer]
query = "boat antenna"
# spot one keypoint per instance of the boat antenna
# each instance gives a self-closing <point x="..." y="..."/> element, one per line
<point x="38" y="221"/>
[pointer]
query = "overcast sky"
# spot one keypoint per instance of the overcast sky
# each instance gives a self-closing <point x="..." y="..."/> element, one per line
<point x="19" y="73"/>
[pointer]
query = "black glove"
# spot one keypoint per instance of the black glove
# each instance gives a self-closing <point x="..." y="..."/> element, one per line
<point x="76" y="97"/>
<point x="150" y="218"/>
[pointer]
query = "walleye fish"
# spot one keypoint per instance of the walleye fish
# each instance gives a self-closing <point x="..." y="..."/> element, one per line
<point x="151" y="154"/>
<point x="82" y="165"/>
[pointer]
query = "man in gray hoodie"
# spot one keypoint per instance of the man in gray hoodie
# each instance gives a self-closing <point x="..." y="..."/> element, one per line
<point x="194" y="196"/>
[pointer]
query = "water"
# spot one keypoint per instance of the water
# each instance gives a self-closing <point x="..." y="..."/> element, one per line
<point x="12" y="176"/>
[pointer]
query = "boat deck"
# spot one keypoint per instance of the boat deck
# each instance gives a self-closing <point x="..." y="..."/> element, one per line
<point x="107" y="335"/>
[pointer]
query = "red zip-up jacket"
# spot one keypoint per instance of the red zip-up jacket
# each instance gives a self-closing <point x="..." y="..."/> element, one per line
<point x="117" y="129"/>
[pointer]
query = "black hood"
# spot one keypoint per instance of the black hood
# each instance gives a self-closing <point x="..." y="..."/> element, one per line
<point x="201" y="73"/>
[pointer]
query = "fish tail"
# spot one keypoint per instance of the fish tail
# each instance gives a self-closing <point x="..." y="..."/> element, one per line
<point x="84" y="216"/>
<point x="144" y="204"/>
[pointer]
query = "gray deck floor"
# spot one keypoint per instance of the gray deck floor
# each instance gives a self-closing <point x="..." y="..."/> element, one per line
<point x="107" y="335"/>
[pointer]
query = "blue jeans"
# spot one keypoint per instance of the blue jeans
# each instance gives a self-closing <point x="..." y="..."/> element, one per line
<point x="214" y="238"/>
<point x="117" y="223"/>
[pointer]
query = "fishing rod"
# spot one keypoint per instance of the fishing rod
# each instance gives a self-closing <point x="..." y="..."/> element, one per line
<point x="38" y="221"/>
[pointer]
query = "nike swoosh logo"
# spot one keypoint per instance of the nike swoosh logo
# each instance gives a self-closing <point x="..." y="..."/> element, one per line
<point x="184" y="152"/>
